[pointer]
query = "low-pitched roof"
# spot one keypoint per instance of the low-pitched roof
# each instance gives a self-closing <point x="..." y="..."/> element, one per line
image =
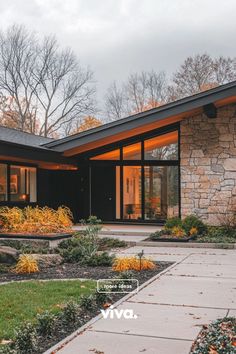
<point x="166" y="114"/>
<point x="174" y="109"/>
<point x="18" y="137"/>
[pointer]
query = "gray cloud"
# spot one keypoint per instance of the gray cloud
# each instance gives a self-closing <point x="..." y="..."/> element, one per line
<point x="117" y="37"/>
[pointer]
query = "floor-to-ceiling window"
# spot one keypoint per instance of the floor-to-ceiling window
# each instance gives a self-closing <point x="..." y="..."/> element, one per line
<point x="146" y="177"/>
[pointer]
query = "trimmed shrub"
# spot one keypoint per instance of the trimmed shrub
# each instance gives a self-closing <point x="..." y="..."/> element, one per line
<point x="70" y="313"/>
<point x="107" y="243"/>
<point x="178" y="231"/>
<point x="173" y="222"/>
<point x="26" y="339"/>
<point x="101" y="298"/>
<point x="45" y="323"/>
<point x="87" y="302"/>
<point x="191" y="222"/>
<point x="99" y="260"/>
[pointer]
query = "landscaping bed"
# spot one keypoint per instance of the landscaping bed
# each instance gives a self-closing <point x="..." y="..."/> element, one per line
<point x="75" y="271"/>
<point x="192" y="229"/>
<point x="217" y="338"/>
<point x="52" y="298"/>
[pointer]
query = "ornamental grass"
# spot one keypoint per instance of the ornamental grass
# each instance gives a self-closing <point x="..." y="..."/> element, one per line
<point x="132" y="263"/>
<point x="35" y="220"/>
<point x="26" y="265"/>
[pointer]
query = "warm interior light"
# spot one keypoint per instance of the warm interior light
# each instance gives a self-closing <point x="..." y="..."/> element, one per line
<point x="111" y="155"/>
<point x="132" y="152"/>
<point x="162" y="140"/>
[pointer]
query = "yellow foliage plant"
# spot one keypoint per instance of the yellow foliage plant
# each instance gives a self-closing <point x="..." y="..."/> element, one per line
<point x="26" y="265"/>
<point x="178" y="231"/>
<point x="35" y="220"/>
<point x="132" y="263"/>
<point x="193" y="231"/>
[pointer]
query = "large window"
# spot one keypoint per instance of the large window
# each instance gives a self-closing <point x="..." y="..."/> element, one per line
<point x="19" y="184"/>
<point x="146" y="177"/>
<point x="164" y="147"/>
<point x="161" y="192"/>
<point x="132" y="152"/>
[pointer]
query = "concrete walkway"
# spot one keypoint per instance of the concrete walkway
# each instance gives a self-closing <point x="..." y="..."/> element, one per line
<point x="171" y="309"/>
<point x="129" y="233"/>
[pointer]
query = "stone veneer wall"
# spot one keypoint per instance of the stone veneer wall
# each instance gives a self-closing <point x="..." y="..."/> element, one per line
<point x="208" y="165"/>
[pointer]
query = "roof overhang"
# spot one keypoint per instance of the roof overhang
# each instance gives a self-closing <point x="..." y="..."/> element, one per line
<point x="43" y="158"/>
<point x="145" y="121"/>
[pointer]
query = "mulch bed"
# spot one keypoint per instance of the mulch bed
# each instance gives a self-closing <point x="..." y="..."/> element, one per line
<point x="217" y="338"/>
<point x="71" y="271"/>
<point x="168" y="238"/>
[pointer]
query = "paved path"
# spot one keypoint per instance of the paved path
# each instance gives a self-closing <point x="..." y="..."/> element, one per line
<point x="171" y="309"/>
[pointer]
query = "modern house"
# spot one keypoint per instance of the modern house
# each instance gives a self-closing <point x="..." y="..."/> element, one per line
<point x="176" y="159"/>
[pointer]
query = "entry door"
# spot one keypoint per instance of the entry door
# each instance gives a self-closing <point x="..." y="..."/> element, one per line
<point x="103" y="188"/>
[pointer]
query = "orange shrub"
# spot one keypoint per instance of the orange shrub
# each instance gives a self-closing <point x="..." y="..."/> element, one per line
<point x="35" y="220"/>
<point x="193" y="231"/>
<point x="132" y="263"/>
<point x="178" y="231"/>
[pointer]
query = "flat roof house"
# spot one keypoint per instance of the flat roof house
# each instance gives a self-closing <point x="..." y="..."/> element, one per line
<point x="177" y="159"/>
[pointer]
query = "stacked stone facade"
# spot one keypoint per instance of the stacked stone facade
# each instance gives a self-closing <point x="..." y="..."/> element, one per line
<point x="208" y="165"/>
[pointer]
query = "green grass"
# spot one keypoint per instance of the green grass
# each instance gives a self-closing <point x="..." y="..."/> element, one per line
<point x="22" y="301"/>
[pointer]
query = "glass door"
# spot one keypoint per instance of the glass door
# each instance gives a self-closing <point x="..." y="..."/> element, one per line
<point x="132" y="192"/>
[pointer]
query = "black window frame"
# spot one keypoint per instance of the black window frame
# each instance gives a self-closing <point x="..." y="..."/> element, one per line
<point x="120" y="144"/>
<point x="21" y="164"/>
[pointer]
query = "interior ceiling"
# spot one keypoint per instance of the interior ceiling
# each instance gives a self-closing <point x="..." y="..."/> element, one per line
<point x="153" y="143"/>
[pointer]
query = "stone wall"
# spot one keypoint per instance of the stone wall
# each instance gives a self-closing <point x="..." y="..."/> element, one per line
<point x="208" y="165"/>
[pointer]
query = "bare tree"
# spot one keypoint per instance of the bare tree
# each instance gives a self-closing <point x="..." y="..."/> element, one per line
<point x="139" y="93"/>
<point x="199" y="73"/>
<point x="47" y="85"/>
<point x="145" y="91"/>
<point x="115" y="102"/>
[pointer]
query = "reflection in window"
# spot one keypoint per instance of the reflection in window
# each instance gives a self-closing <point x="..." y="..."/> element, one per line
<point x="163" y="147"/>
<point x="22" y="184"/>
<point x="3" y="182"/>
<point x="117" y="192"/>
<point x="132" y="152"/>
<point x="132" y="192"/>
<point x="161" y="192"/>
<point x="111" y="155"/>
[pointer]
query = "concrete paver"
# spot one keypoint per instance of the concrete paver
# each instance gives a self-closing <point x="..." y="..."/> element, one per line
<point x="190" y="291"/>
<point x="176" y="322"/>
<point x="216" y="258"/>
<point x="112" y="343"/>
<point x="171" y="309"/>
<point x="204" y="270"/>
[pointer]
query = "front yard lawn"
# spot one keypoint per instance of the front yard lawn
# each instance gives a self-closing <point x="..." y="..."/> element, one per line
<point x="21" y="302"/>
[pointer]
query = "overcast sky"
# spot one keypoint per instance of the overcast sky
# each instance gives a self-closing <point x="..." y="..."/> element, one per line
<point x="117" y="37"/>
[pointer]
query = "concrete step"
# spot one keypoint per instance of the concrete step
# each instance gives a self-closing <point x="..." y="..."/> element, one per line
<point x="125" y="233"/>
